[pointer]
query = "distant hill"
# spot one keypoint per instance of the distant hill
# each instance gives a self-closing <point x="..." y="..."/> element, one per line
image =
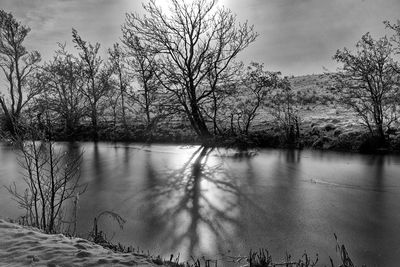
<point x="314" y="89"/>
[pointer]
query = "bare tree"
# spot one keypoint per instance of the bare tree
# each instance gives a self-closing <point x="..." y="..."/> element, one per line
<point x="258" y="84"/>
<point x="18" y="66"/>
<point x="284" y="108"/>
<point x="251" y="91"/>
<point x="97" y="78"/>
<point x="120" y="69"/>
<point x="147" y="92"/>
<point x="192" y="41"/>
<point x="368" y="83"/>
<point x="62" y="80"/>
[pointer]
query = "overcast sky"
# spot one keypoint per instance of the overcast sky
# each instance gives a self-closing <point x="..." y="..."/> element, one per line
<point x="295" y="36"/>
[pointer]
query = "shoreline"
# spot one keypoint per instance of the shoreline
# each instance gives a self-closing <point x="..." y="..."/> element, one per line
<point x="363" y="146"/>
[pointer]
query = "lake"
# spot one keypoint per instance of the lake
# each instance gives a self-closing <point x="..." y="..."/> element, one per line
<point x="198" y="201"/>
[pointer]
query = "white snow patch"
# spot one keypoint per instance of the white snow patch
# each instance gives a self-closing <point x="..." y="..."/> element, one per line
<point x="22" y="246"/>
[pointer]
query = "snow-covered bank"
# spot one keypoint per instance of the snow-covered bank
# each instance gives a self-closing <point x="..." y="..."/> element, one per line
<point x="20" y="246"/>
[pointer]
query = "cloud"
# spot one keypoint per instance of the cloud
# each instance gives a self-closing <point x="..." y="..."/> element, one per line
<point x="295" y="35"/>
<point x="302" y="35"/>
<point x="51" y="21"/>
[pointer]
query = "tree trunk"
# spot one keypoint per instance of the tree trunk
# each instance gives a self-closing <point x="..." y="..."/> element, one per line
<point x="95" y="133"/>
<point x="198" y="122"/>
<point x="381" y="134"/>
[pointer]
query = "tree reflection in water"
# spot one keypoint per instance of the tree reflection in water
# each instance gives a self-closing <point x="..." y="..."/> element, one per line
<point x="199" y="204"/>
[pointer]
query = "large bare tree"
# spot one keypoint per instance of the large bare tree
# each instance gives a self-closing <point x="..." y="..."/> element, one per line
<point x="18" y="66"/>
<point x="195" y="43"/>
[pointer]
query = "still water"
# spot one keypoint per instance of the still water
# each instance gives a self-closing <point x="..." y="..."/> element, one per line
<point x="196" y="201"/>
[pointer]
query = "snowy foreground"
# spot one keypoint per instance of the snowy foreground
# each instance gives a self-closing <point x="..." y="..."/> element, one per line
<point x="20" y="246"/>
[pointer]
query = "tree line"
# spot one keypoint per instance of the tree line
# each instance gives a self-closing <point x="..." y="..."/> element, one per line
<point x="179" y="66"/>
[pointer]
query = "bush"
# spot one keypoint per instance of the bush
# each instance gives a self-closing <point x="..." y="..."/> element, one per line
<point x="51" y="178"/>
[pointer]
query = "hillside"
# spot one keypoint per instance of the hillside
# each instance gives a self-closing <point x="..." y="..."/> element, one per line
<point x="324" y="121"/>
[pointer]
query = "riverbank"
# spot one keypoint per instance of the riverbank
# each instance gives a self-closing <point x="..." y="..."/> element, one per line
<point x="28" y="246"/>
<point x="23" y="246"/>
<point x="322" y="134"/>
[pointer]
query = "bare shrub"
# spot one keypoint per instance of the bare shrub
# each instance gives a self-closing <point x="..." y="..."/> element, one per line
<point x="51" y="177"/>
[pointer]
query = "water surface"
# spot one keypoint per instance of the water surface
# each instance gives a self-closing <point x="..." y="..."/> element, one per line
<point x="196" y="201"/>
